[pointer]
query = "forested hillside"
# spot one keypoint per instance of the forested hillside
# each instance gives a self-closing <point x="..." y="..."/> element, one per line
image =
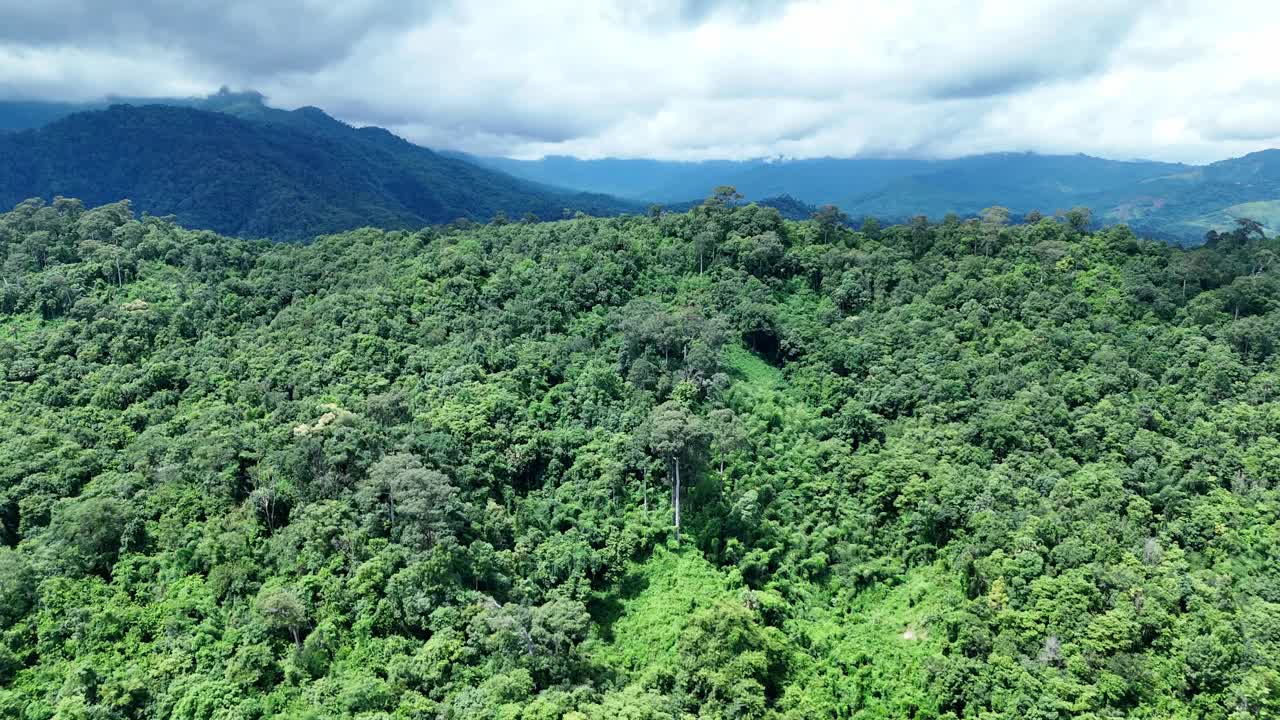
<point x="241" y="168"/>
<point x="954" y="470"/>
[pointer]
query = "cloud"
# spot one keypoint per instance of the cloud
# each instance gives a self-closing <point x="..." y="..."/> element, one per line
<point x="1168" y="79"/>
<point x="236" y="36"/>
<point x="1248" y="121"/>
<point x="751" y="10"/>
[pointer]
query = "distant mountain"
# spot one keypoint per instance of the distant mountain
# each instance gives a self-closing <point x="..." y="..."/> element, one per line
<point x="250" y="170"/>
<point x="1019" y="181"/>
<point x="643" y="180"/>
<point x="302" y="171"/>
<point x="815" y="181"/>
<point x="1168" y="200"/>
<point x="1188" y="204"/>
<point x="247" y="104"/>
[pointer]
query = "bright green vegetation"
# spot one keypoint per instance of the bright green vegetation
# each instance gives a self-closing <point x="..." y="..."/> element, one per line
<point x="955" y="470"/>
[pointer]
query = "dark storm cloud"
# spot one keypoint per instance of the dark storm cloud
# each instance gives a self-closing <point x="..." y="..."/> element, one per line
<point x="981" y="85"/>
<point x="243" y="36"/>
<point x="1019" y="53"/>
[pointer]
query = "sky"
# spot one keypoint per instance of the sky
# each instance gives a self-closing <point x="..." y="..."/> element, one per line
<point x="1175" y="80"/>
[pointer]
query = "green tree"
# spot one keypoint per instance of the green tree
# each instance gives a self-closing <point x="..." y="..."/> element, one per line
<point x="673" y="433"/>
<point x="409" y="503"/>
<point x="282" y="609"/>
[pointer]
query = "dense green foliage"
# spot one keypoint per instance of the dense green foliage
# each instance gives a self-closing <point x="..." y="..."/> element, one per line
<point x="962" y="470"/>
<point x="788" y="207"/>
<point x="249" y="170"/>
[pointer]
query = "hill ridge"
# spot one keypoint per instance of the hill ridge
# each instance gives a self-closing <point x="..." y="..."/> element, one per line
<point x="279" y="174"/>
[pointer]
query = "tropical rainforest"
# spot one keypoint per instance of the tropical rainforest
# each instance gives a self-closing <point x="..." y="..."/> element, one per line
<point x="711" y="464"/>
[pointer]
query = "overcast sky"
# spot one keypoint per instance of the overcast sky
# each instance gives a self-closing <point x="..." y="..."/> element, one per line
<point x="694" y="79"/>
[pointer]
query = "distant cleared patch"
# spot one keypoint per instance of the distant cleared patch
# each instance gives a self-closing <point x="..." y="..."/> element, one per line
<point x="752" y="369"/>
<point x="1266" y="212"/>
<point x="1189" y="176"/>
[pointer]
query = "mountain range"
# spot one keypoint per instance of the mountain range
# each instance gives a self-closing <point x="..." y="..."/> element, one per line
<point x="231" y="163"/>
<point x="1173" y="201"/>
<point x="236" y="166"/>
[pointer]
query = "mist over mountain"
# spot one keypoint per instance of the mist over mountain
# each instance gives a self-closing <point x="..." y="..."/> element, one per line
<point x="19" y="114"/>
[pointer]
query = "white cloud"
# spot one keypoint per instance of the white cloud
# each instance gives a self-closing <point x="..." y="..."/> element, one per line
<point x="1166" y="79"/>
